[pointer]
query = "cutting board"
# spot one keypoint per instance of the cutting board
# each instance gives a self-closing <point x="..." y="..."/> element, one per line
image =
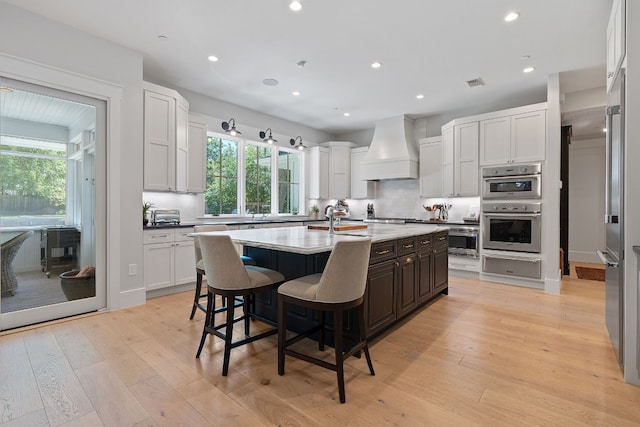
<point x="341" y="227"/>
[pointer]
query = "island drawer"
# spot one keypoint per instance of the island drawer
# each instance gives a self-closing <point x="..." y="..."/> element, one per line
<point x="440" y="239"/>
<point x="383" y="251"/>
<point x="406" y="246"/>
<point x="424" y="243"/>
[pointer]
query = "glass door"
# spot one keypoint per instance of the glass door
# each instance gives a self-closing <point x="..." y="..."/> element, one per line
<point x="52" y="169"/>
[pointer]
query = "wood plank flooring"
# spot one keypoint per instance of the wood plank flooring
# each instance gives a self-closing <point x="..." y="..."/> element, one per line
<point x="485" y="355"/>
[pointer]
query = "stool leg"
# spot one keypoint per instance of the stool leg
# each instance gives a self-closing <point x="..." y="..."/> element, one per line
<point x="197" y="296"/>
<point x="322" y="331"/>
<point x="282" y="333"/>
<point x="207" y="322"/>
<point x="363" y="337"/>
<point x="339" y="354"/>
<point x="228" y="338"/>
<point x="245" y="309"/>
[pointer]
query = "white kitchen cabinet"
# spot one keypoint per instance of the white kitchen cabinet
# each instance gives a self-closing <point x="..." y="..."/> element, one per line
<point x="340" y="170"/>
<point x="169" y="258"/>
<point x="360" y="189"/>
<point x="460" y="175"/>
<point x="165" y="139"/>
<point x="513" y="139"/>
<point x="318" y="172"/>
<point x="197" y="155"/>
<point x="615" y="41"/>
<point x="430" y="166"/>
<point x="447" y="161"/>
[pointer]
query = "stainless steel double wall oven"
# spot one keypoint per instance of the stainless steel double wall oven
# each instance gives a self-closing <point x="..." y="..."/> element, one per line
<point x="512" y="219"/>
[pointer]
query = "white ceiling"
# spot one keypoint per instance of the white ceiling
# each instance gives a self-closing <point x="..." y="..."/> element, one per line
<point x="429" y="47"/>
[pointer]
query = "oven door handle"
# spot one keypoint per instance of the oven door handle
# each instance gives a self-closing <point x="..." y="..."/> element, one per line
<point x="463" y="233"/>
<point x="510" y="177"/>
<point x="508" y="258"/>
<point x="511" y="215"/>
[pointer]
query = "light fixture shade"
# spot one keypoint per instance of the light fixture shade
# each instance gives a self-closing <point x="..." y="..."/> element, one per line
<point x="268" y="139"/>
<point x="230" y="127"/>
<point x="297" y="139"/>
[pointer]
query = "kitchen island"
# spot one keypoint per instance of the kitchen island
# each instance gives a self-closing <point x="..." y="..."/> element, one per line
<point x="408" y="267"/>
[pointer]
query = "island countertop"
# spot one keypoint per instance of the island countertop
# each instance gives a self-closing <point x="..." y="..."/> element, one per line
<point x="304" y="241"/>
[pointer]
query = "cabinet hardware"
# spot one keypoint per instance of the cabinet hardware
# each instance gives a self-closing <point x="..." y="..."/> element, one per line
<point x="424" y="242"/>
<point x="407" y="246"/>
<point x="386" y="251"/>
<point x="441" y="238"/>
<point x="408" y="260"/>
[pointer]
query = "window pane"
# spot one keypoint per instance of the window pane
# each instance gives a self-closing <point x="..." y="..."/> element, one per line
<point x="258" y="179"/>
<point x="288" y="182"/>
<point x="33" y="178"/>
<point x="221" y="196"/>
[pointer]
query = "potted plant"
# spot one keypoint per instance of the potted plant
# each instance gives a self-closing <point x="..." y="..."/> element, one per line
<point x="314" y="211"/>
<point x="145" y="209"/>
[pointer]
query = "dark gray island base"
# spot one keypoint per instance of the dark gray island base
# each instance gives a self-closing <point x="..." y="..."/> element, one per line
<point x="404" y="274"/>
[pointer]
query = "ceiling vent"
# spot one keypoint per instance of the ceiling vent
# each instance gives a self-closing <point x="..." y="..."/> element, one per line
<point x="475" y="82"/>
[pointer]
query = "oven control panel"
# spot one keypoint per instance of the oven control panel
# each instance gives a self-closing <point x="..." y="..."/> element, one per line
<point x="512" y="207"/>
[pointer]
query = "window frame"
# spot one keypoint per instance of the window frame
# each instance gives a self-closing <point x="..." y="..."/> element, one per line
<point x="241" y="201"/>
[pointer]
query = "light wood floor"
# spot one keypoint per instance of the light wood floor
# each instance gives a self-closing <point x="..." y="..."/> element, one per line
<point x="486" y="354"/>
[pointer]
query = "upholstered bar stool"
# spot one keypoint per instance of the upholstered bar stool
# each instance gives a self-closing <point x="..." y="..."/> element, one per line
<point x="200" y="268"/>
<point x="340" y="287"/>
<point x="228" y="277"/>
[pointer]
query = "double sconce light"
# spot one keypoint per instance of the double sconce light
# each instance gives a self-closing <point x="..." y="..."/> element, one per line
<point x="265" y="135"/>
<point x="230" y="127"/>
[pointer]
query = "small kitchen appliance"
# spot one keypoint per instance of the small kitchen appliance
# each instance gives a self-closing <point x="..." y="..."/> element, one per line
<point x="165" y="216"/>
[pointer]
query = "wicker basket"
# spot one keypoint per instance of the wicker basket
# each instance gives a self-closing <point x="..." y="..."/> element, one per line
<point x="77" y="287"/>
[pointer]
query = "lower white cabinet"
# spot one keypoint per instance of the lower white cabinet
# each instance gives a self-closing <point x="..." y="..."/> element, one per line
<point x="169" y="258"/>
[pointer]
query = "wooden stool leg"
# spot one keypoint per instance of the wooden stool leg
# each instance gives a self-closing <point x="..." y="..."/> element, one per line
<point x="323" y="318"/>
<point x="245" y="309"/>
<point x="363" y="338"/>
<point x="207" y="322"/>
<point x="282" y="332"/>
<point x="196" y="299"/>
<point x="228" y="339"/>
<point x="337" y="333"/>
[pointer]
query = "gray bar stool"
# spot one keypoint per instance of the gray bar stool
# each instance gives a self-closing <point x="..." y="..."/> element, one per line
<point x="340" y="287"/>
<point x="200" y="269"/>
<point x="228" y="277"/>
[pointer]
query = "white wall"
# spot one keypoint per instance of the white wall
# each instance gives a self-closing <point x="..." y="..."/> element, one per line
<point x="586" y="199"/>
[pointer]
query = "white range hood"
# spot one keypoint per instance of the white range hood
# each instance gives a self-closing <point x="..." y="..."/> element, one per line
<point x="393" y="153"/>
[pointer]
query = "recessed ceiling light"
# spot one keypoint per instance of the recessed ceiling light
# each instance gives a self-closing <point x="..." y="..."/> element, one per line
<point x="376" y="64"/>
<point x="528" y="69"/>
<point x="526" y="57"/>
<point x="347" y="114"/>
<point x="295" y="5"/>
<point x="511" y="16"/>
<point x="295" y="93"/>
<point x="161" y="37"/>
<point x="212" y="58"/>
<point x="421" y="96"/>
<point x="270" y="82"/>
<point x="301" y="64"/>
<point x="604" y="129"/>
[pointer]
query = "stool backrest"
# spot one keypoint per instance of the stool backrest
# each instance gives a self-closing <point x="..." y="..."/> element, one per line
<point x="222" y="264"/>
<point x="203" y="229"/>
<point x="344" y="278"/>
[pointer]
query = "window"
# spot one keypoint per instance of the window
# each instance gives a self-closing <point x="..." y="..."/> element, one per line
<point x="257" y="179"/>
<point x="33" y="181"/>
<point x="246" y="177"/>
<point x="221" y="196"/>
<point x="288" y="182"/>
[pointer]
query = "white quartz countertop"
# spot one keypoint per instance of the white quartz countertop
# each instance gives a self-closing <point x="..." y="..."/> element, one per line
<point x="304" y="241"/>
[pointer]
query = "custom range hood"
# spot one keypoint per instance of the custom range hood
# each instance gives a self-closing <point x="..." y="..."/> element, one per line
<point x="393" y="153"/>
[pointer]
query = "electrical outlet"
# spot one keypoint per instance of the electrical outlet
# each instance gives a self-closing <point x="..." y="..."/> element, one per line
<point x="133" y="269"/>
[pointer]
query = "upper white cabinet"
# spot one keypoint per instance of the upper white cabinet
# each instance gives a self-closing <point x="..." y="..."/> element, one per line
<point x="430" y="166"/>
<point x="340" y="170"/>
<point x="460" y="176"/>
<point x="330" y="171"/>
<point x="159" y="141"/>
<point x="197" y="155"/>
<point x="360" y="189"/>
<point x="166" y="157"/>
<point x="615" y="41"/>
<point x="513" y="139"/>
<point x="318" y="172"/>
